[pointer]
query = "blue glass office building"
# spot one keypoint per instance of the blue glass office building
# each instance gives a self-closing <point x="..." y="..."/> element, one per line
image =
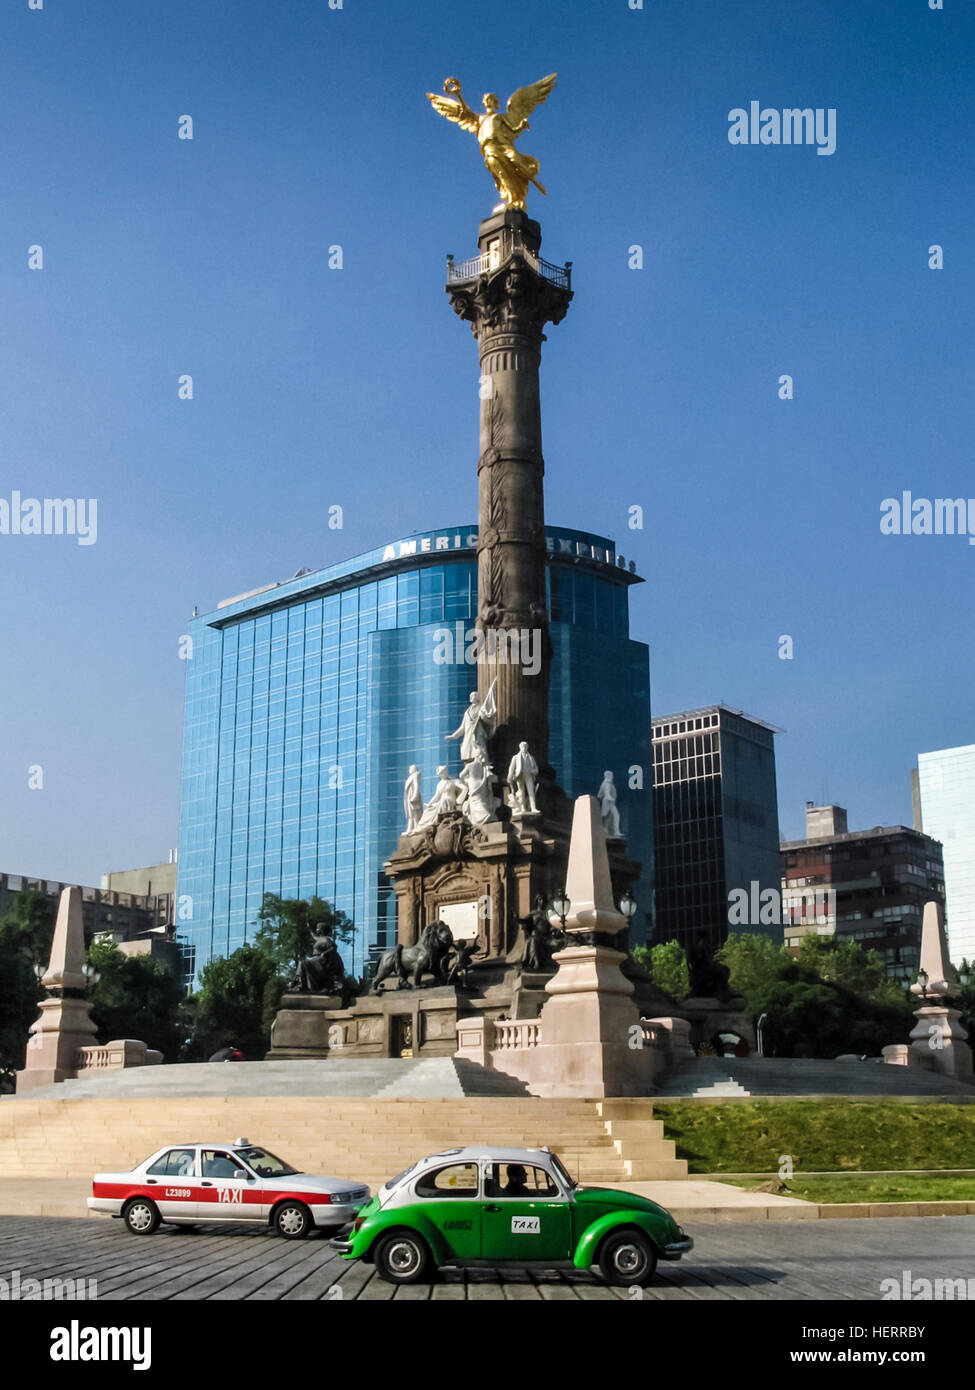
<point x="307" y="701"/>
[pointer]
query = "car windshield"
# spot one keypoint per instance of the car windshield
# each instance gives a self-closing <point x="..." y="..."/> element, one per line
<point x="560" y="1168"/>
<point x="265" y="1164"/>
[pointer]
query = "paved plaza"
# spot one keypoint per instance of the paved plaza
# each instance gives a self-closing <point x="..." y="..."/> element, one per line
<point x="837" y="1260"/>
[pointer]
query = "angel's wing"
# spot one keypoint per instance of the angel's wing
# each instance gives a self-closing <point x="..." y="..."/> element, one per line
<point x="523" y="102"/>
<point x="457" y="111"/>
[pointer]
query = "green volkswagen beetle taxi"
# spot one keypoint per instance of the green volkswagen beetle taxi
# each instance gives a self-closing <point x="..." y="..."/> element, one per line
<point x="483" y="1205"/>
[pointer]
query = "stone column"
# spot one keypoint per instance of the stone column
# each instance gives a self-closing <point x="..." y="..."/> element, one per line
<point x="508" y="304"/>
<point x="64" y="1023"/>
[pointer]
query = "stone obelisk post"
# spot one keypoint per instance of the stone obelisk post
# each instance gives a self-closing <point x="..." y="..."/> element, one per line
<point x="64" y="1024"/>
<point x="938" y="1041"/>
<point x="591" y="1040"/>
<point x="508" y="294"/>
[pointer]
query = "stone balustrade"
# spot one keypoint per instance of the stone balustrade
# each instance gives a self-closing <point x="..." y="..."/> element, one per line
<point x="113" y="1056"/>
<point x="515" y="1034"/>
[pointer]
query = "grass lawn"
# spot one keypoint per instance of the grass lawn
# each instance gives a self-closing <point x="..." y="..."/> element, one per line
<point x="895" y="1188"/>
<point x="743" y="1136"/>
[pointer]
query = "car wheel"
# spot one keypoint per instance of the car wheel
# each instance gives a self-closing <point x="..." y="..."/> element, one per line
<point x="402" y="1258"/>
<point x="141" y="1216"/>
<point x="627" y="1258"/>
<point x="292" y="1220"/>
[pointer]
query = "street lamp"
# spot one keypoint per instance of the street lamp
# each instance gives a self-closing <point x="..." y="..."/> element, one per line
<point x="561" y="906"/>
<point x="628" y="907"/>
<point x="964" y="976"/>
<point x="92" y="975"/>
<point x="922" y="979"/>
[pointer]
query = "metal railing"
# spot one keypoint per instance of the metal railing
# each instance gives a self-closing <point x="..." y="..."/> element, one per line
<point x="560" y="275"/>
<point x="467" y="270"/>
<point x="459" y="271"/>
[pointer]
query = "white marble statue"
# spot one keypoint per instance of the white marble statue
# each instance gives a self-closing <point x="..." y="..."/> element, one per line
<point x="449" y="795"/>
<point x="477" y="726"/>
<point x="522" y="781"/>
<point x="607" y="804"/>
<point x="412" y="799"/>
<point x="481" y="804"/>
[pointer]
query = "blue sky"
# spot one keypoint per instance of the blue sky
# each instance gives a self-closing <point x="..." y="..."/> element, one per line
<point x="358" y="387"/>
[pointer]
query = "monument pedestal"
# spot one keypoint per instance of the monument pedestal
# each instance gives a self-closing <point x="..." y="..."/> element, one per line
<point x="588" y="1028"/>
<point x="64" y="1027"/>
<point x="938" y="1042"/>
<point x="397" y="1023"/>
<point x="492" y="871"/>
<point x="300" y="1027"/>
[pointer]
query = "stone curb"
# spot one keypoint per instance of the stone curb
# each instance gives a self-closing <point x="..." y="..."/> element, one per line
<point x="839" y="1173"/>
<point x="861" y="1209"/>
<point x="818" y="1211"/>
<point x="687" y="1216"/>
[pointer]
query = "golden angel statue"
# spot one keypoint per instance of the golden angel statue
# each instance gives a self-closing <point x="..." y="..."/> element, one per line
<point x="497" y="132"/>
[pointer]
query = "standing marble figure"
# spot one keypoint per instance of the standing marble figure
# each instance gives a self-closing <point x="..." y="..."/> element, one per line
<point x="477" y="726"/>
<point x="607" y="804"/>
<point x="522" y="781"/>
<point x="412" y="798"/>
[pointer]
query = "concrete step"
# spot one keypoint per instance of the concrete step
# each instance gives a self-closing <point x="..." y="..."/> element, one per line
<point x="655" y="1169"/>
<point x="368" y="1138"/>
<point x="635" y="1129"/>
<point x="652" y="1149"/>
<point x="721" y="1088"/>
<point x="360" y="1117"/>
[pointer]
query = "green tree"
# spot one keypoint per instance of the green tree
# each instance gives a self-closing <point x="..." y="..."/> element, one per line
<point x="754" y="963"/>
<point x="25" y="943"/>
<point x="841" y="961"/>
<point x="287" y="928"/>
<point x="239" y="994"/>
<point x="812" y="1017"/>
<point x="136" y="997"/>
<point x="233" y="1004"/>
<point x="666" y="965"/>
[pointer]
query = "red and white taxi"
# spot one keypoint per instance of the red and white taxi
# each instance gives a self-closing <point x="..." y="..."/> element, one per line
<point x="186" y="1184"/>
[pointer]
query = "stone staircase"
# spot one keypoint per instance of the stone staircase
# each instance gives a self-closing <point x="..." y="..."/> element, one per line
<point x="363" y="1119"/>
<point x="743" y="1077"/>
<point x="432" y="1078"/>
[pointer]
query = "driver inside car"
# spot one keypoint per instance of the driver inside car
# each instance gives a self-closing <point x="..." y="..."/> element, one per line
<point x="516" y="1185"/>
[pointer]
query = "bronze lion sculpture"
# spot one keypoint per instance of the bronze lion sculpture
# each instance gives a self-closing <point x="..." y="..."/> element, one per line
<point x="427" y="957"/>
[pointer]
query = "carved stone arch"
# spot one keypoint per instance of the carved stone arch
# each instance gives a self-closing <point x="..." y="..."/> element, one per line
<point x="451" y="879"/>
